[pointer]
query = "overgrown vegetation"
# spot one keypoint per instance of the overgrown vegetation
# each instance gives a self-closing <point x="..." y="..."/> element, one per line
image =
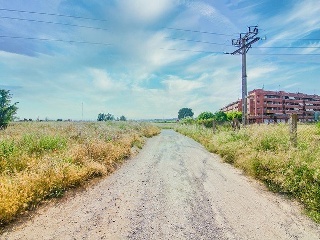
<point x="206" y="119"/>
<point x="42" y="160"/>
<point x="266" y="153"/>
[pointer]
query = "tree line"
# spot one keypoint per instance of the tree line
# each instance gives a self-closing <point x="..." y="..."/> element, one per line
<point x="186" y="115"/>
<point x="109" y="117"/>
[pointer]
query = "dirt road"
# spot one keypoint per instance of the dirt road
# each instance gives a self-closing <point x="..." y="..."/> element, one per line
<point x="174" y="189"/>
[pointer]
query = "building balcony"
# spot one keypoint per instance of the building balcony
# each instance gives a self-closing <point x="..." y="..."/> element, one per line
<point x="316" y="108"/>
<point x="273" y="105"/>
<point x="273" y="111"/>
<point x="294" y="111"/>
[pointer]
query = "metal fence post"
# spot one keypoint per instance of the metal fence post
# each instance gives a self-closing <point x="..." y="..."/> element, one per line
<point x="293" y="129"/>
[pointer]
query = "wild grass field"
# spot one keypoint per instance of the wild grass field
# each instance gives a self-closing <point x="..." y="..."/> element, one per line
<point x="266" y="153"/>
<point x="42" y="160"/>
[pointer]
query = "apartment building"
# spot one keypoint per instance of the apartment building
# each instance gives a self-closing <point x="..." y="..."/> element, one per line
<point x="233" y="107"/>
<point x="269" y="106"/>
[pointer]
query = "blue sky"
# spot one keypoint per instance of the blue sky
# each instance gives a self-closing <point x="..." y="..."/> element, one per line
<point x="144" y="66"/>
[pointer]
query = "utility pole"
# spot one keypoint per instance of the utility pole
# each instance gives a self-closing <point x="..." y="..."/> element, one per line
<point x="244" y="44"/>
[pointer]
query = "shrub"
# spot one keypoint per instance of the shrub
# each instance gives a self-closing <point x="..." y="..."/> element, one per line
<point x="205" y="116"/>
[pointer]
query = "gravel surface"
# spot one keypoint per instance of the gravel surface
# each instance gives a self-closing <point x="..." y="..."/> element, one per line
<point x="173" y="189"/>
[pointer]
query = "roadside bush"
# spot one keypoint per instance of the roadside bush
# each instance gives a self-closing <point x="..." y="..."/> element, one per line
<point x="208" y="123"/>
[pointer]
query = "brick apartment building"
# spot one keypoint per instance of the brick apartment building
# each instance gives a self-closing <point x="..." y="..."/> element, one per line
<point x="269" y="106"/>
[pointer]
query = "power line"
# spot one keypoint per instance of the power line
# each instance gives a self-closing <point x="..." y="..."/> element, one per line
<point x="223" y="44"/>
<point x="286" y="47"/>
<point x="49" y="22"/>
<point x="294" y="39"/>
<point x="197" y="41"/>
<point x="56" y="40"/>
<point x="288" y="54"/>
<point x="52" y="14"/>
<point x="196" y="31"/>
<point x="187" y="50"/>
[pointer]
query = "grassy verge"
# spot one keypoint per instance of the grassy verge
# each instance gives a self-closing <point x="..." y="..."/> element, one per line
<point x="42" y="160"/>
<point x="265" y="152"/>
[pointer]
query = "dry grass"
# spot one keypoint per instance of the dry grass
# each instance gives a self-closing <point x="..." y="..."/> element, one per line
<point x="42" y="160"/>
<point x="266" y="153"/>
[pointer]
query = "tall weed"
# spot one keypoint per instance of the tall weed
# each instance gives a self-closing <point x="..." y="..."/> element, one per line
<point x="42" y="160"/>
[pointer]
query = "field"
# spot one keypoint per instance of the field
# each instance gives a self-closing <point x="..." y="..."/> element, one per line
<point x="42" y="160"/>
<point x="266" y="153"/>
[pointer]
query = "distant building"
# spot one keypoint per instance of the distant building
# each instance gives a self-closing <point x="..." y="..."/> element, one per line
<point x="233" y="107"/>
<point x="269" y="106"/>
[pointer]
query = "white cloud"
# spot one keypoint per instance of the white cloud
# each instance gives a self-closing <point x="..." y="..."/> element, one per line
<point x="103" y="82"/>
<point x="306" y="13"/>
<point x="259" y="73"/>
<point x="177" y="86"/>
<point x="297" y="22"/>
<point x="221" y="21"/>
<point x="144" y="11"/>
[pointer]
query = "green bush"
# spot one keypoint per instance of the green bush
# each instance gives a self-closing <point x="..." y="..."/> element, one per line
<point x="208" y="123"/>
<point x="205" y="116"/>
<point x="187" y="120"/>
<point x="40" y="144"/>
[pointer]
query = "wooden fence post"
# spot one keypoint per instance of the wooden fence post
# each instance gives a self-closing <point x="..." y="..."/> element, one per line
<point x="214" y="126"/>
<point x="293" y="129"/>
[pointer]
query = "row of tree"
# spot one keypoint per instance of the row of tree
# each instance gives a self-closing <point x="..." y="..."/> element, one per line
<point x="109" y="117"/>
<point x="219" y="116"/>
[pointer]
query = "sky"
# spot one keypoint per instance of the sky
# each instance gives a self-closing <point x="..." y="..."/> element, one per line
<point x="74" y="59"/>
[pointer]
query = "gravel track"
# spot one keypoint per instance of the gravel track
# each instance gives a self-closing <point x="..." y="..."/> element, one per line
<point x="173" y="189"/>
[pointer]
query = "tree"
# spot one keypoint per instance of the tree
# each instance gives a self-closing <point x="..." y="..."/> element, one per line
<point x="185" y="112"/>
<point x="101" y="117"/>
<point x="205" y="115"/>
<point x="109" y="117"/>
<point x="7" y="111"/>
<point x="220" y="116"/>
<point x="234" y="115"/>
<point x="105" y="117"/>
<point x="123" y="118"/>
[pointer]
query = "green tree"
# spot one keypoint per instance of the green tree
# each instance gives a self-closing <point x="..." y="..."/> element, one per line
<point x="185" y="112"/>
<point x="101" y="117"/>
<point x="123" y="118"/>
<point x="205" y="115"/>
<point x="109" y="117"/>
<point x="105" y="117"/>
<point x="7" y="110"/>
<point x="234" y="115"/>
<point x="220" y="116"/>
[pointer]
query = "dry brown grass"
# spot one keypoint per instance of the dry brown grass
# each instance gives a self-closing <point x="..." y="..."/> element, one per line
<point x="42" y="160"/>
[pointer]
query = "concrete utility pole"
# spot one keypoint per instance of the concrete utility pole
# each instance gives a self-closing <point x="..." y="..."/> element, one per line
<point x="244" y="44"/>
